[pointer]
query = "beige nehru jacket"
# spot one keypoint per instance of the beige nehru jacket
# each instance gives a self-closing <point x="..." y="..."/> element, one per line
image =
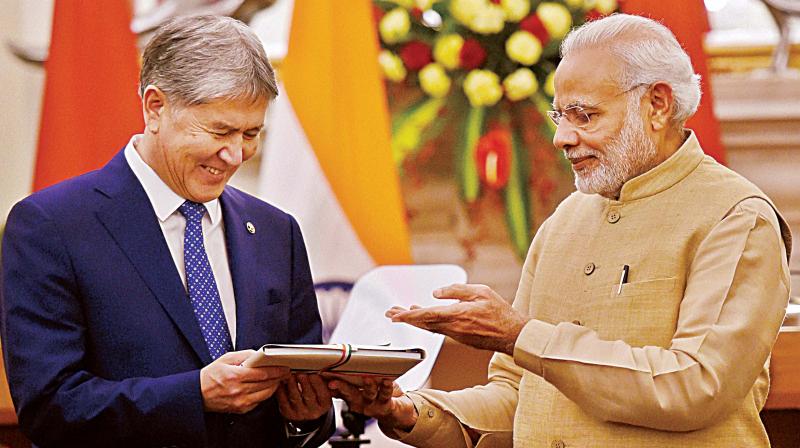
<point x="677" y="357"/>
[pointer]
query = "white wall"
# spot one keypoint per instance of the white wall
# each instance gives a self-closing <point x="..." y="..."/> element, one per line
<point x="20" y="96"/>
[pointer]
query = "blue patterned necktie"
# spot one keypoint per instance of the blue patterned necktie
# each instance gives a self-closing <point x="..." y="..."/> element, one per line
<point x="203" y="291"/>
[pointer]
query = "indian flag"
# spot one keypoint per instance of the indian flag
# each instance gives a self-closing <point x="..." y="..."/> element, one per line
<point x="327" y="158"/>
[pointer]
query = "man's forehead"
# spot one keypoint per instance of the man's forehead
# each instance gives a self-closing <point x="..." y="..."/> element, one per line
<point x="585" y="78"/>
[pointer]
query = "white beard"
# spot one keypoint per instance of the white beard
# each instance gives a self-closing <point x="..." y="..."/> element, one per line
<point x="625" y="157"/>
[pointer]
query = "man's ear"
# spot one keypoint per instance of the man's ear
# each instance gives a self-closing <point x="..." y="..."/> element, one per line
<point x="662" y="104"/>
<point x="153" y="107"/>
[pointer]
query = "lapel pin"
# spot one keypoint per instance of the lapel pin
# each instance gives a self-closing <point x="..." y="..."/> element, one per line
<point x="250" y="227"/>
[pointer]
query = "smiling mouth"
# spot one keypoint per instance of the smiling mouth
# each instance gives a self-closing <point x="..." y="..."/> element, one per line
<point x="580" y="162"/>
<point x="213" y="170"/>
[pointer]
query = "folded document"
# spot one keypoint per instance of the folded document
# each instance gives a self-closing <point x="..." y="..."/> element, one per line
<point x="383" y="361"/>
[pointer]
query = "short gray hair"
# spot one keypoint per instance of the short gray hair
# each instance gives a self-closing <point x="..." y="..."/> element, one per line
<point x="649" y="53"/>
<point x="199" y="59"/>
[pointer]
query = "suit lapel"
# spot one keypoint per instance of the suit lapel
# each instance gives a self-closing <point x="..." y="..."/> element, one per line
<point x="251" y="257"/>
<point x="131" y="221"/>
<point x="242" y="258"/>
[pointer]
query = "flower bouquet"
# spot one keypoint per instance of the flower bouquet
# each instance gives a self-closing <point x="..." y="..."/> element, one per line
<point x="486" y="67"/>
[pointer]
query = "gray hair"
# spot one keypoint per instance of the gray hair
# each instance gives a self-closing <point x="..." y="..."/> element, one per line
<point x="199" y="59"/>
<point x="649" y="53"/>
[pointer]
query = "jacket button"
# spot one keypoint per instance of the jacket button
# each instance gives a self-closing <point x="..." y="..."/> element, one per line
<point x="613" y="216"/>
<point x="430" y="413"/>
<point x="558" y="444"/>
<point x="588" y="269"/>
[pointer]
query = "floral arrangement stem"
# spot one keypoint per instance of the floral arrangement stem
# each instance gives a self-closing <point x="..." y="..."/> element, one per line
<point x="516" y="198"/>
<point x="467" y="170"/>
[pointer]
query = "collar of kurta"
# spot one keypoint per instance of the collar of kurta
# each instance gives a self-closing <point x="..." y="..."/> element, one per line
<point x="666" y="174"/>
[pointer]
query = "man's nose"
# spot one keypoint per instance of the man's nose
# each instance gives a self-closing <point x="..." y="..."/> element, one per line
<point x="232" y="152"/>
<point x="566" y="135"/>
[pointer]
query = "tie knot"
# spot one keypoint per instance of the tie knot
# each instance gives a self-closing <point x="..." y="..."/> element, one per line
<point x="192" y="211"/>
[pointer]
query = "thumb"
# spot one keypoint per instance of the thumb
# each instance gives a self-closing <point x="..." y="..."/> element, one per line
<point x="235" y="358"/>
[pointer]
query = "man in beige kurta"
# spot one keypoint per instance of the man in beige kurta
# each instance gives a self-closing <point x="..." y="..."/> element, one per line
<point x="649" y="301"/>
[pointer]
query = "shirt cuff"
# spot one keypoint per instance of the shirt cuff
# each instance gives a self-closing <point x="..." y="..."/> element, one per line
<point x="434" y="427"/>
<point x="300" y="433"/>
<point x="531" y="344"/>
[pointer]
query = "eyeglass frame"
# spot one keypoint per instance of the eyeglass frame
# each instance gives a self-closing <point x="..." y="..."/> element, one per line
<point x="556" y="116"/>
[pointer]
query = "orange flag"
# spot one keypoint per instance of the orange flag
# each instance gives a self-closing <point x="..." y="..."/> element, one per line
<point x="90" y="107"/>
<point x="688" y="20"/>
<point x="332" y="78"/>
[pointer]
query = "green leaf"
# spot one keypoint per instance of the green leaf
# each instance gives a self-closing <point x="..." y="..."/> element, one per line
<point x="408" y="127"/>
<point x="518" y="216"/>
<point x="467" y="170"/>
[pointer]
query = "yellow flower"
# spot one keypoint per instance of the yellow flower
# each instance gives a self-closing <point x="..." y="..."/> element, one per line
<point x="520" y="84"/>
<point x="394" y="26"/>
<point x="392" y="66"/>
<point x="515" y="10"/>
<point x="523" y="47"/>
<point x="434" y="81"/>
<point x="482" y="88"/>
<point x="489" y="20"/>
<point x="466" y="10"/>
<point x="556" y="18"/>
<point x="424" y="5"/>
<point x="575" y="4"/>
<point x="550" y="84"/>
<point x="408" y="4"/>
<point x="605" y="6"/>
<point x="447" y="50"/>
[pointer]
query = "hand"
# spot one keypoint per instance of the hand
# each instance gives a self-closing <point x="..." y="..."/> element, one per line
<point x="229" y="387"/>
<point x="304" y="397"/>
<point x="481" y="319"/>
<point x="379" y="398"/>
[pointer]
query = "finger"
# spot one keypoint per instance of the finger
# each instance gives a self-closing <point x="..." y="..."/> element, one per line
<point x="430" y="314"/>
<point x="283" y="402"/>
<point x="258" y="374"/>
<point x="308" y="394"/>
<point x="370" y="389"/>
<point x="347" y="392"/>
<point x="235" y="358"/>
<point x="293" y="392"/>
<point x="394" y="310"/>
<point x="258" y="396"/>
<point x="321" y="391"/>
<point x="385" y="391"/>
<point x="464" y="292"/>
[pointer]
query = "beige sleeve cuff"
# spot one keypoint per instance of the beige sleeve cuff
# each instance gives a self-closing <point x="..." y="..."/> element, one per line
<point x="434" y="428"/>
<point x="531" y="344"/>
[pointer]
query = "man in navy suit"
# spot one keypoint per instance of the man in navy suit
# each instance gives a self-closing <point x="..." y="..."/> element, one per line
<point x="132" y="294"/>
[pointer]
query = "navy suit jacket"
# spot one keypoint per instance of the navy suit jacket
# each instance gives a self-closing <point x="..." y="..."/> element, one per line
<point x="99" y="337"/>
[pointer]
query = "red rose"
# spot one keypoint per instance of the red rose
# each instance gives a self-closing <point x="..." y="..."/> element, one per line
<point x="493" y="157"/>
<point x="533" y="24"/>
<point x="416" y="55"/>
<point x="472" y="55"/>
<point x="594" y="15"/>
<point x="377" y="13"/>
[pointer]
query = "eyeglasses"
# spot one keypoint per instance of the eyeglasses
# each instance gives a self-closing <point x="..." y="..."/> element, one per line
<point x="577" y="114"/>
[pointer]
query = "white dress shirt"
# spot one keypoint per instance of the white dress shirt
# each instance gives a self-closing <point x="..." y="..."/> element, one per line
<point x="165" y="203"/>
